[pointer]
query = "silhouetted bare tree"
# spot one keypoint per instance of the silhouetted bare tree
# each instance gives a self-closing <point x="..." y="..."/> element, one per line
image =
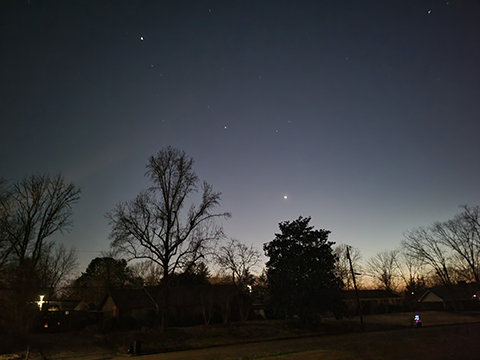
<point x="239" y="260"/>
<point x="31" y="211"/>
<point x="412" y="271"/>
<point x="151" y="226"/>
<point x="384" y="269"/>
<point x="56" y="267"/>
<point x="424" y="245"/>
<point x="451" y="248"/>
<point x="461" y="235"/>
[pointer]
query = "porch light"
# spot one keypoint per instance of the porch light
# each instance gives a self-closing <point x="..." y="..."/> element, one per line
<point x="41" y="302"/>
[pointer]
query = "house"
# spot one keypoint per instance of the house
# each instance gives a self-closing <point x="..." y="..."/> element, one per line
<point x="133" y="304"/>
<point x="84" y="306"/>
<point x="372" y="301"/>
<point x="457" y="297"/>
<point x="183" y="305"/>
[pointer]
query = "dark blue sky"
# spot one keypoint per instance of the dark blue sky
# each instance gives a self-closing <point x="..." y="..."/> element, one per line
<point x="364" y="113"/>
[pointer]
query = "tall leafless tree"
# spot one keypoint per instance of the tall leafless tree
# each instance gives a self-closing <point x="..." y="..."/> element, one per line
<point x="239" y="260"/>
<point x="384" y="269"/>
<point x="56" y="268"/>
<point x="451" y="248"/>
<point x="151" y="225"/>
<point x="423" y="245"/>
<point x="471" y="215"/>
<point x="412" y="271"/>
<point x="461" y="235"/>
<point x="31" y="211"/>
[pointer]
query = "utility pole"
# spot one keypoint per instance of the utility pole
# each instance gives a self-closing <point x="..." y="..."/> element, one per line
<point x="356" y="290"/>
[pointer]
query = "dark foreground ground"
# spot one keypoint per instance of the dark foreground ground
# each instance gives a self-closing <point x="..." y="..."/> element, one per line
<point x="444" y="336"/>
<point x="436" y="342"/>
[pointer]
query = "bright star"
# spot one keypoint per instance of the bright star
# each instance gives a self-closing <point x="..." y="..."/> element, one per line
<point x="285" y="197"/>
<point x="141" y="38"/>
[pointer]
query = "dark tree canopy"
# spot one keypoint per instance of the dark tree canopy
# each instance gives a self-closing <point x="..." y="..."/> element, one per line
<point x="196" y="274"/>
<point x="301" y="270"/>
<point x="156" y="226"/>
<point x="104" y="274"/>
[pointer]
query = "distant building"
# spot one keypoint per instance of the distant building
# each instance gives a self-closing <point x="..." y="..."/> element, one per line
<point x="458" y="297"/>
<point x="372" y="301"/>
<point x="182" y="305"/>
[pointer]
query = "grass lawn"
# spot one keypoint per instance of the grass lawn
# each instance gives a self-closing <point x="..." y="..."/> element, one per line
<point x="198" y="337"/>
<point x="257" y="339"/>
<point x="434" y="342"/>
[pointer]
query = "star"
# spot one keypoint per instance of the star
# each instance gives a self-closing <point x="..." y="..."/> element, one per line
<point x="285" y="197"/>
<point x="429" y="11"/>
<point x="225" y="128"/>
<point x="141" y="38"/>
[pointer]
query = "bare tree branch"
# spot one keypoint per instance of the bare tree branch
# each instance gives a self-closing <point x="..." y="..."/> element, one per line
<point x="384" y="269"/>
<point x="238" y="259"/>
<point x="422" y="244"/>
<point x="151" y="226"/>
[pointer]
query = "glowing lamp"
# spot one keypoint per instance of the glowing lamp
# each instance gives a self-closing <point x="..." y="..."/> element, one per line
<point x="41" y="302"/>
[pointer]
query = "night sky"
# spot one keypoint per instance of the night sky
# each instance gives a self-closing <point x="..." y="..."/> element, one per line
<point x="365" y="114"/>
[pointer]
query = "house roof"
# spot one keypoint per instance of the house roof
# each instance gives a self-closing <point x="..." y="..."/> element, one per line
<point x="368" y="295"/>
<point x="178" y="296"/>
<point x="84" y="306"/>
<point x="129" y="299"/>
<point x="191" y="295"/>
<point x="458" y="292"/>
